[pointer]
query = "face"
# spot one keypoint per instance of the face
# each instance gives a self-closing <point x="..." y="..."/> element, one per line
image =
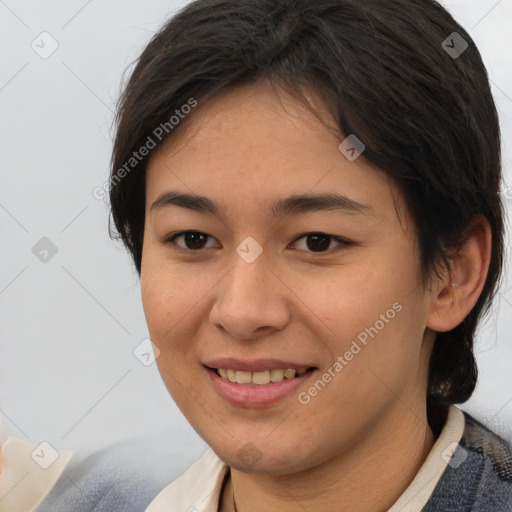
<point x="265" y="282"/>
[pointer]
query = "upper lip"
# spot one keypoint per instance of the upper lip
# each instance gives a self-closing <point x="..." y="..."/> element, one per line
<point x="255" y="365"/>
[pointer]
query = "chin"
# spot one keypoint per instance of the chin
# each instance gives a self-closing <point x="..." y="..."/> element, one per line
<point x="263" y="457"/>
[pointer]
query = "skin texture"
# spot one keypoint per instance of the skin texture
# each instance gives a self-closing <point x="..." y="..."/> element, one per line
<point x="244" y="149"/>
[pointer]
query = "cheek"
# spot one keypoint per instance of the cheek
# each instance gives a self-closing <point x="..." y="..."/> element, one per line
<point x="169" y="310"/>
<point x="347" y="301"/>
<point x="175" y="302"/>
<point x="369" y="317"/>
<point x="170" y="295"/>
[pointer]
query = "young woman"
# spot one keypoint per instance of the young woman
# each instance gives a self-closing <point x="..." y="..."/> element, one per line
<point x="310" y="191"/>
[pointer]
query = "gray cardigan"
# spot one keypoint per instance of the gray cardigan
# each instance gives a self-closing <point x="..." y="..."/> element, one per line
<point x="483" y="482"/>
<point x="127" y="477"/>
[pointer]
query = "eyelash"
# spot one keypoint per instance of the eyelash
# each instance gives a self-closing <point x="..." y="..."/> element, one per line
<point x="343" y="243"/>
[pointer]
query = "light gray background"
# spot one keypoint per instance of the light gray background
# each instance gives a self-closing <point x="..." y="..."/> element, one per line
<point x="69" y="326"/>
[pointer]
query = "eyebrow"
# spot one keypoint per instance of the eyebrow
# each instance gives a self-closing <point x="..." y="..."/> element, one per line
<point x="292" y="205"/>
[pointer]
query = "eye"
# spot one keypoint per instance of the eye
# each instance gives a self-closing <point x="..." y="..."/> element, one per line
<point x="194" y="240"/>
<point x="320" y="242"/>
<point x="316" y="243"/>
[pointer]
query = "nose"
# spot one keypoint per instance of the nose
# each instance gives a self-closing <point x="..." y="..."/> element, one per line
<point x="251" y="301"/>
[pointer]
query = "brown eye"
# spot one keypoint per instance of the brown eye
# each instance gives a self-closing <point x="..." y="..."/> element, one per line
<point x="320" y="242"/>
<point x="193" y="240"/>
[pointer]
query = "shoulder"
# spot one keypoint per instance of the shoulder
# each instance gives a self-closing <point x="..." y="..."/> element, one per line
<point x="124" y="477"/>
<point x="479" y="477"/>
<point x="494" y="457"/>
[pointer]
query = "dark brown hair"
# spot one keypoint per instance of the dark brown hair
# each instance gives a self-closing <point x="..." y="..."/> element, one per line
<point x="426" y="116"/>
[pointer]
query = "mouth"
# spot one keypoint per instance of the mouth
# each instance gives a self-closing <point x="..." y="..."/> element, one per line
<point x="256" y="389"/>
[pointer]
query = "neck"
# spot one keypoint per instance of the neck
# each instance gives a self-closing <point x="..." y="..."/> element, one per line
<point x="369" y="477"/>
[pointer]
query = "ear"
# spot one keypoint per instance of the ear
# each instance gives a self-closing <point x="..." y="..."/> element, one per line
<point x="458" y="291"/>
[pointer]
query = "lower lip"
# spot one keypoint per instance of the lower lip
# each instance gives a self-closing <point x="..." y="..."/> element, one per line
<point x="246" y="395"/>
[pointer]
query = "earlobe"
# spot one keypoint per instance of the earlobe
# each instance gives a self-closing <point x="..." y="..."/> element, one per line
<point x="459" y="290"/>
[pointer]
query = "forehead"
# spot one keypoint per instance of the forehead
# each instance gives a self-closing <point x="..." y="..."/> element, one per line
<point x="252" y="146"/>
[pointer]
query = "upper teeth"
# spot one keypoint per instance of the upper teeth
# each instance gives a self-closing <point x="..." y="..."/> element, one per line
<point x="264" y="377"/>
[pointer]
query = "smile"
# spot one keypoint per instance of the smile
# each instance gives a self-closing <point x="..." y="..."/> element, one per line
<point x="259" y="378"/>
<point x="257" y="389"/>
